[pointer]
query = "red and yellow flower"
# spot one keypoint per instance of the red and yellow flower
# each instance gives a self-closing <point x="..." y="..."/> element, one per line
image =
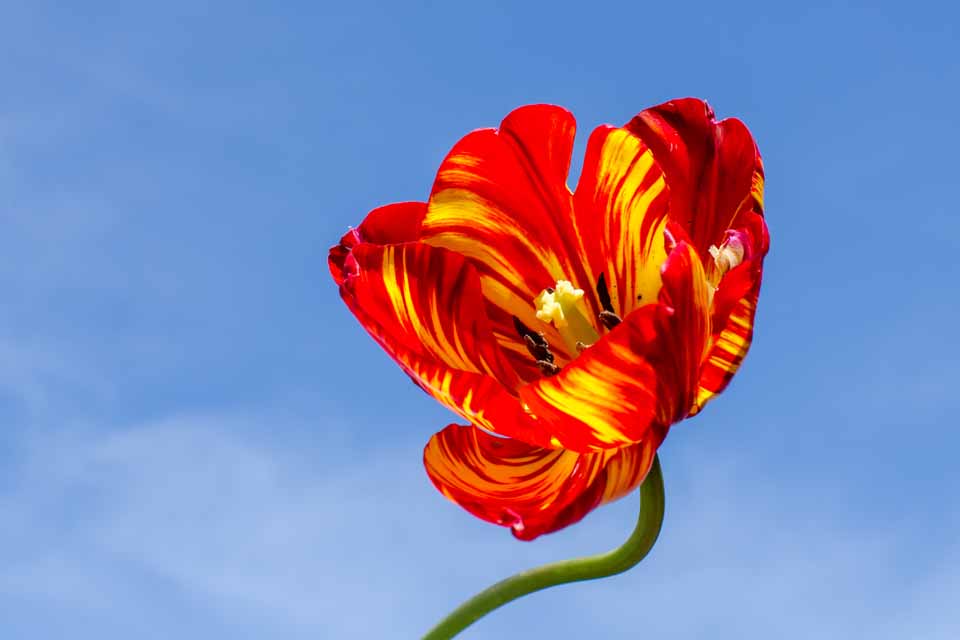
<point x="569" y="329"/>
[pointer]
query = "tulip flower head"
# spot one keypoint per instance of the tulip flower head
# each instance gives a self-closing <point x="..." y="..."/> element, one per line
<point x="568" y="329"/>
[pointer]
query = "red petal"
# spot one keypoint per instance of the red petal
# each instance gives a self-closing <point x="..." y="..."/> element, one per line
<point x="420" y="304"/>
<point x="393" y="223"/>
<point x="683" y="338"/>
<point x="621" y="211"/>
<point x="730" y="343"/>
<point x="734" y="306"/>
<point x="390" y="224"/>
<point x="340" y="254"/>
<point x="716" y="183"/>
<point x="606" y="398"/>
<point x="477" y="398"/>
<point x="424" y="300"/>
<point x="501" y="199"/>
<point x="531" y="489"/>
<point x="713" y="168"/>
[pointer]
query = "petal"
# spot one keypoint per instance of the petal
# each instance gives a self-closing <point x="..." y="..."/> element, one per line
<point x="729" y="345"/>
<point x="530" y="489"/>
<point x="420" y="304"/>
<point x="621" y="212"/>
<point x="713" y="168"/>
<point x="340" y="254"/>
<point x="501" y="199"/>
<point x="734" y="306"/>
<point x="393" y="223"/>
<point x="424" y="301"/>
<point x="608" y="397"/>
<point x="684" y="335"/>
<point x="477" y="398"/>
<point x="390" y="224"/>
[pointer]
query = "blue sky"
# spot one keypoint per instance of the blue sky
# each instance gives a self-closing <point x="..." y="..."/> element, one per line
<point x="198" y="441"/>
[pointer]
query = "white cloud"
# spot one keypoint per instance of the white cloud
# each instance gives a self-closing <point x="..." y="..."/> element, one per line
<point x="323" y="541"/>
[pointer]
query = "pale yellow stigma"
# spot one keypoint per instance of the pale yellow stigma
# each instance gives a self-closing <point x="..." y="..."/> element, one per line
<point x="562" y="305"/>
<point x="552" y="302"/>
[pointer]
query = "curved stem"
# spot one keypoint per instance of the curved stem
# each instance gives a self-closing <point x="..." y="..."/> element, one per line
<point x="632" y="551"/>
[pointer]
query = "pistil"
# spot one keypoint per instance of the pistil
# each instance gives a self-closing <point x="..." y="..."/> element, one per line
<point x="729" y="254"/>
<point x="562" y="305"/>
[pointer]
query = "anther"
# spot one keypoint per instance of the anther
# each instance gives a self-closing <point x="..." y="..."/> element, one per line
<point x="548" y="368"/>
<point x="535" y="342"/>
<point x="609" y="319"/>
<point x="539" y="350"/>
<point x="604" y="294"/>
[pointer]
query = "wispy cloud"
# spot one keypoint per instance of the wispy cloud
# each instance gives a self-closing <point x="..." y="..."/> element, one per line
<point x="321" y="542"/>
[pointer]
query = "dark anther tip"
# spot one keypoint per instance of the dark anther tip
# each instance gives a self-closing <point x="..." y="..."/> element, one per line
<point x="609" y="319"/>
<point x="538" y="350"/>
<point x="548" y="368"/>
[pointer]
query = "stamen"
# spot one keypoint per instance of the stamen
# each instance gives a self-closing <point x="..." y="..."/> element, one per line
<point x="548" y="368"/>
<point x="537" y="346"/>
<point x="538" y="350"/>
<point x="609" y="319"/>
<point x="604" y="294"/>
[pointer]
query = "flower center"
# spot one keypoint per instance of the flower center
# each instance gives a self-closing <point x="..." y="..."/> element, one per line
<point x="563" y="305"/>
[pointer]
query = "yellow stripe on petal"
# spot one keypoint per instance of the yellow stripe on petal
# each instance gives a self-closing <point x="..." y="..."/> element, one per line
<point x="477" y="398"/>
<point x="528" y="488"/>
<point x="606" y="398"/>
<point x="621" y="213"/>
<point x="685" y="338"/>
<point x="501" y="199"/>
<point x="628" y="468"/>
<point x="421" y="314"/>
<point x="426" y="301"/>
<point x="756" y="188"/>
<point x="727" y="352"/>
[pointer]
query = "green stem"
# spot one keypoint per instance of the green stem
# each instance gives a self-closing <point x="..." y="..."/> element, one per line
<point x="635" y="549"/>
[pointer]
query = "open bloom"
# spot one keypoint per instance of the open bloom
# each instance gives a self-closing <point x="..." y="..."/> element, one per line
<point x="569" y="329"/>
